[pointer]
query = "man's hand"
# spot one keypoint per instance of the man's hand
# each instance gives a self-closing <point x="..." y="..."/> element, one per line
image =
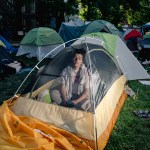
<point x="75" y="102"/>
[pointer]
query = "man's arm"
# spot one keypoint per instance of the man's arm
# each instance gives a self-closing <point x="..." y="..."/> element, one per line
<point x="63" y="92"/>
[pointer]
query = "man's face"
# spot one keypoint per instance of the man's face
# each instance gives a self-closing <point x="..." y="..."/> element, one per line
<point x="77" y="60"/>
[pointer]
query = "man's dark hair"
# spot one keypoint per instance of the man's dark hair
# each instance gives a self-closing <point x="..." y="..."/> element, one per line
<point x="79" y="51"/>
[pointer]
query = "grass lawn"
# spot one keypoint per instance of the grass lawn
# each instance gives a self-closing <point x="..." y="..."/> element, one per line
<point x="130" y="132"/>
<point x="10" y="84"/>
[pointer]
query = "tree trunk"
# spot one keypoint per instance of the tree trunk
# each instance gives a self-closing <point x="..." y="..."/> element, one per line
<point x="89" y="10"/>
<point x="18" y="15"/>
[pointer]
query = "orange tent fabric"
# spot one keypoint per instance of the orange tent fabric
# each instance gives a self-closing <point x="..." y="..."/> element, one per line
<point x="21" y="132"/>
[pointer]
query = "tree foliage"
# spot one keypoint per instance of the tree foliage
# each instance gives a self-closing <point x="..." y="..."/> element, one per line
<point x="115" y="11"/>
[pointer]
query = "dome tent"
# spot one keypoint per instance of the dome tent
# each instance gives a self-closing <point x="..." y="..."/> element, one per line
<point x="40" y="41"/>
<point x="102" y="26"/>
<point x="131" y="33"/>
<point x="7" y="45"/>
<point x="145" y="28"/>
<point x="132" y="37"/>
<point x="69" y="31"/>
<point x="107" y="91"/>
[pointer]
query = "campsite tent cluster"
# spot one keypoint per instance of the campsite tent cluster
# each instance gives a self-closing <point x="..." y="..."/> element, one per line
<point x="39" y="41"/>
<point x="139" y="42"/>
<point x="68" y="31"/>
<point x="31" y="123"/>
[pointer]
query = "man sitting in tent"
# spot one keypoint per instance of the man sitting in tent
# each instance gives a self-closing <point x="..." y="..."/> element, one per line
<point x="74" y="91"/>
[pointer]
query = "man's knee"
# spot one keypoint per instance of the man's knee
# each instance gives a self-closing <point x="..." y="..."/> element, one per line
<point x="55" y="96"/>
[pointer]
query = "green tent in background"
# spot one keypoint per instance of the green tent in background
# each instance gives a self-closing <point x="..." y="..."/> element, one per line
<point x="38" y="42"/>
<point x="146" y="36"/>
<point x="102" y="26"/>
<point x="41" y="36"/>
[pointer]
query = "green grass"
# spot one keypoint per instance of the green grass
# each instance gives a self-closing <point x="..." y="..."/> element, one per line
<point x="10" y="84"/>
<point x="129" y="133"/>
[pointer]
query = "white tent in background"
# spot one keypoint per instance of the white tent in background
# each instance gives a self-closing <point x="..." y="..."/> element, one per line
<point x="38" y="42"/>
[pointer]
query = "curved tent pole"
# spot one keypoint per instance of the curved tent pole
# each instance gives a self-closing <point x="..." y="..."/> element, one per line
<point x="90" y="67"/>
<point x="102" y="88"/>
<point x="36" y="67"/>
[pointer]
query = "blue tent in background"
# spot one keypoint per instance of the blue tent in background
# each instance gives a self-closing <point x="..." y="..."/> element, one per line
<point x="69" y="32"/>
<point x="8" y="46"/>
<point x="147" y="25"/>
<point x="145" y="28"/>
